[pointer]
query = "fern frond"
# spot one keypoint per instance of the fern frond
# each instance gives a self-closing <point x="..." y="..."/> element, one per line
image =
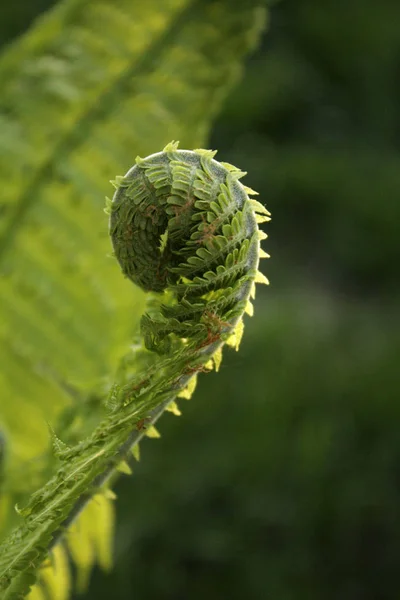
<point x="185" y="328"/>
<point x="90" y="86"/>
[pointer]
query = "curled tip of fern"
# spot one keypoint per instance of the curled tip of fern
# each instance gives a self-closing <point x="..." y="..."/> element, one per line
<point x="182" y="223"/>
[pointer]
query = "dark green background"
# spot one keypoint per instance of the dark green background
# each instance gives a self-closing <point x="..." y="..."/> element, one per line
<point x="282" y="479"/>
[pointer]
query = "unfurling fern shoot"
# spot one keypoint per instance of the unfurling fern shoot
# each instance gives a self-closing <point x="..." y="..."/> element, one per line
<point x="182" y="223"/>
<point x="185" y="229"/>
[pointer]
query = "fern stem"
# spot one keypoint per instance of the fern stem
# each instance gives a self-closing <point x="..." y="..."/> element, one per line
<point x="109" y="473"/>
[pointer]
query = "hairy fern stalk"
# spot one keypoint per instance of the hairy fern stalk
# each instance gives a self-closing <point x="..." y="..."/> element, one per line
<point x="185" y="229"/>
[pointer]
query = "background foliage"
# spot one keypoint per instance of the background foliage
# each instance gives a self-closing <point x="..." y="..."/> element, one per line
<point x="282" y="478"/>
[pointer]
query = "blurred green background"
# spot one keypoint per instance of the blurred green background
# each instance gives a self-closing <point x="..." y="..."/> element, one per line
<point x="282" y="478"/>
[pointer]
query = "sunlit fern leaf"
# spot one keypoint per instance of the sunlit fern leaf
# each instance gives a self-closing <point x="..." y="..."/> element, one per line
<point x="88" y="541"/>
<point x="37" y="593"/>
<point x="54" y="579"/>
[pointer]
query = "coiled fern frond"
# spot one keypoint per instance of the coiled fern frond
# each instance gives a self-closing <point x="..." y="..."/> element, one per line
<point x="182" y="222"/>
<point x="185" y="229"/>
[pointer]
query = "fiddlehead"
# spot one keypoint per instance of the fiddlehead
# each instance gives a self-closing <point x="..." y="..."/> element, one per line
<point x="182" y="223"/>
<point x="185" y="229"/>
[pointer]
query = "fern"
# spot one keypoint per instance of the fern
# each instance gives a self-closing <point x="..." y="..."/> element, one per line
<point x="90" y="83"/>
<point x="208" y="280"/>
